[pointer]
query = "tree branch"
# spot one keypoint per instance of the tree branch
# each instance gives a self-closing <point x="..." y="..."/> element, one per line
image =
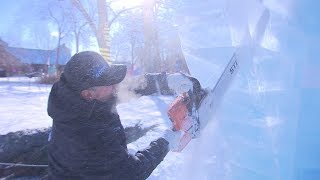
<point x="80" y="7"/>
<point x="114" y="13"/>
<point x="121" y="12"/>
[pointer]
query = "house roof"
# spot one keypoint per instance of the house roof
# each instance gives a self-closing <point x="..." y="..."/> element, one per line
<point x="6" y="59"/>
<point x="39" y="56"/>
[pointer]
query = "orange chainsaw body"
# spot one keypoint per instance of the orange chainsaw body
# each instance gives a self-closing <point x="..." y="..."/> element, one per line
<point x="178" y="114"/>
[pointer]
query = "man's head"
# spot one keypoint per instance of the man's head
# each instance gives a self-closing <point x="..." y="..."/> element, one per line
<point x="92" y="77"/>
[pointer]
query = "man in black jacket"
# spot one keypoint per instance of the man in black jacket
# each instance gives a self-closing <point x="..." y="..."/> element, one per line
<point x="88" y="139"/>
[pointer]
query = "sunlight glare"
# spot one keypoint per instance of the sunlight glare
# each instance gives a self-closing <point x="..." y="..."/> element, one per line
<point x="54" y="34"/>
<point x="127" y="3"/>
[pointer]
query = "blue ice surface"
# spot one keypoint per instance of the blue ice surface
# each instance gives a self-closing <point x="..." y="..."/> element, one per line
<point x="272" y="132"/>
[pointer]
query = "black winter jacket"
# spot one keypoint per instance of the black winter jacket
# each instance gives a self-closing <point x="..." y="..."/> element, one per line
<point x="88" y="141"/>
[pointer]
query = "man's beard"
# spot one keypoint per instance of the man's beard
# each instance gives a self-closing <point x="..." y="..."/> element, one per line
<point x="101" y="107"/>
<point x="108" y="105"/>
<point x="113" y="100"/>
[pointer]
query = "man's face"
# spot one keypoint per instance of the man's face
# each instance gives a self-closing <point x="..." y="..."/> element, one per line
<point x="103" y="93"/>
<point x="100" y="93"/>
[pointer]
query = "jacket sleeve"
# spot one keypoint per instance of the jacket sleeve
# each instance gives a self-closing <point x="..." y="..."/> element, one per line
<point x="144" y="162"/>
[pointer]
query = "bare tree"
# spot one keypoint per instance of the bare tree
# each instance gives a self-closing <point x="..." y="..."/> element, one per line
<point x="166" y="39"/>
<point x="102" y="27"/>
<point x="78" y="26"/>
<point x="158" y="23"/>
<point x="59" y="15"/>
<point x="129" y="38"/>
<point x="43" y="41"/>
<point x="153" y="15"/>
<point x="29" y="17"/>
<point x="149" y="63"/>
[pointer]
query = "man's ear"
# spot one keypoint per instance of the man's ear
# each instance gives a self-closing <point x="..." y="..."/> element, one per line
<point x="87" y="95"/>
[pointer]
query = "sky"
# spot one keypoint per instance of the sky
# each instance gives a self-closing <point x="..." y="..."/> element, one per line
<point x="7" y="13"/>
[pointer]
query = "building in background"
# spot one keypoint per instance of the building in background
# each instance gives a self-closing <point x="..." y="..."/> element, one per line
<point x="16" y="60"/>
<point x="9" y="64"/>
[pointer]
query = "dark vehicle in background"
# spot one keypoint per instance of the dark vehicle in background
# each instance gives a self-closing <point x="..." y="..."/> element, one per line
<point x="3" y="73"/>
<point x="34" y="74"/>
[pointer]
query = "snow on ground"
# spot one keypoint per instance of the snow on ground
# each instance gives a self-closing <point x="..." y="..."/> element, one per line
<point x="24" y="106"/>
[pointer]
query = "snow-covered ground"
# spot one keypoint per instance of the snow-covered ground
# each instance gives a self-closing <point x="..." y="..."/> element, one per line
<point x="24" y="106"/>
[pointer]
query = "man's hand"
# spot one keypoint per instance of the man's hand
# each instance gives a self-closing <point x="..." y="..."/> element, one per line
<point x="179" y="83"/>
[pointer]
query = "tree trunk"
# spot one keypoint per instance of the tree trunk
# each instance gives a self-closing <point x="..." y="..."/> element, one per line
<point x="77" y="35"/>
<point x="149" y="63"/>
<point x="156" y="41"/>
<point x="103" y="36"/>
<point x="102" y="29"/>
<point x="58" y="54"/>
